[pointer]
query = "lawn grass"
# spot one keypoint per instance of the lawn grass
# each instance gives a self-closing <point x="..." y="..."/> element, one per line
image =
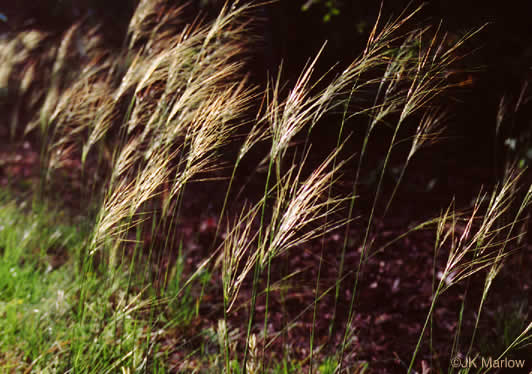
<point x="134" y="287"/>
<point x="44" y="327"/>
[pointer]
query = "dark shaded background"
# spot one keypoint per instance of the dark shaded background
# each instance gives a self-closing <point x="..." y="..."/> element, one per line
<point x="499" y="65"/>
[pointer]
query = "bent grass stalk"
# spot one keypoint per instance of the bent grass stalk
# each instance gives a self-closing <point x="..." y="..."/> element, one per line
<point x="425" y="83"/>
<point x="486" y="249"/>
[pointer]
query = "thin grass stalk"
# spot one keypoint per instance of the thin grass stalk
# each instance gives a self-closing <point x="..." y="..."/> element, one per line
<point x="315" y="311"/>
<point x="257" y="270"/>
<point x="293" y="118"/>
<point x="270" y="256"/>
<point x="344" y="247"/>
<point x="372" y="48"/>
<point x="273" y="115"/>
<point x="524" y="338"/>
<point x="340" y="271"/>
<point x="293" y="322"/>
<point x="439" y="241"/>
<point x="302" y="207"/>
<point x="456" y="268"/>
<point x="456" y="338"/>
<point x="498" y="263"/>
<point x="255" y="136"/>
<point x="294" y="207"/>
<point x="421" y="90"/>
<point x="427" y="320"/>
<point x="382" y="111"/>
<point x="235" y="247"/>
<point x="427" y="123"/>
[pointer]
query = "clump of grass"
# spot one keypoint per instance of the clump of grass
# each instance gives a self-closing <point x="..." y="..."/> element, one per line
<point x="19" y="73"/>
<point x="480" y="246"/>
<point x="42" y="330"/>
<point x="159" y="114"/>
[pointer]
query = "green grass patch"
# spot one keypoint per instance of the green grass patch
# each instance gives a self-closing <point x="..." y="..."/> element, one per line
<point x="44" y="327"/>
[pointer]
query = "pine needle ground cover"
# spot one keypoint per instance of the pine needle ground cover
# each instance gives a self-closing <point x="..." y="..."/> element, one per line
<point x="204" y="224"/>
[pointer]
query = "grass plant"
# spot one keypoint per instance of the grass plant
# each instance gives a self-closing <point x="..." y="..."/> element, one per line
<point x="169" y="112"/>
